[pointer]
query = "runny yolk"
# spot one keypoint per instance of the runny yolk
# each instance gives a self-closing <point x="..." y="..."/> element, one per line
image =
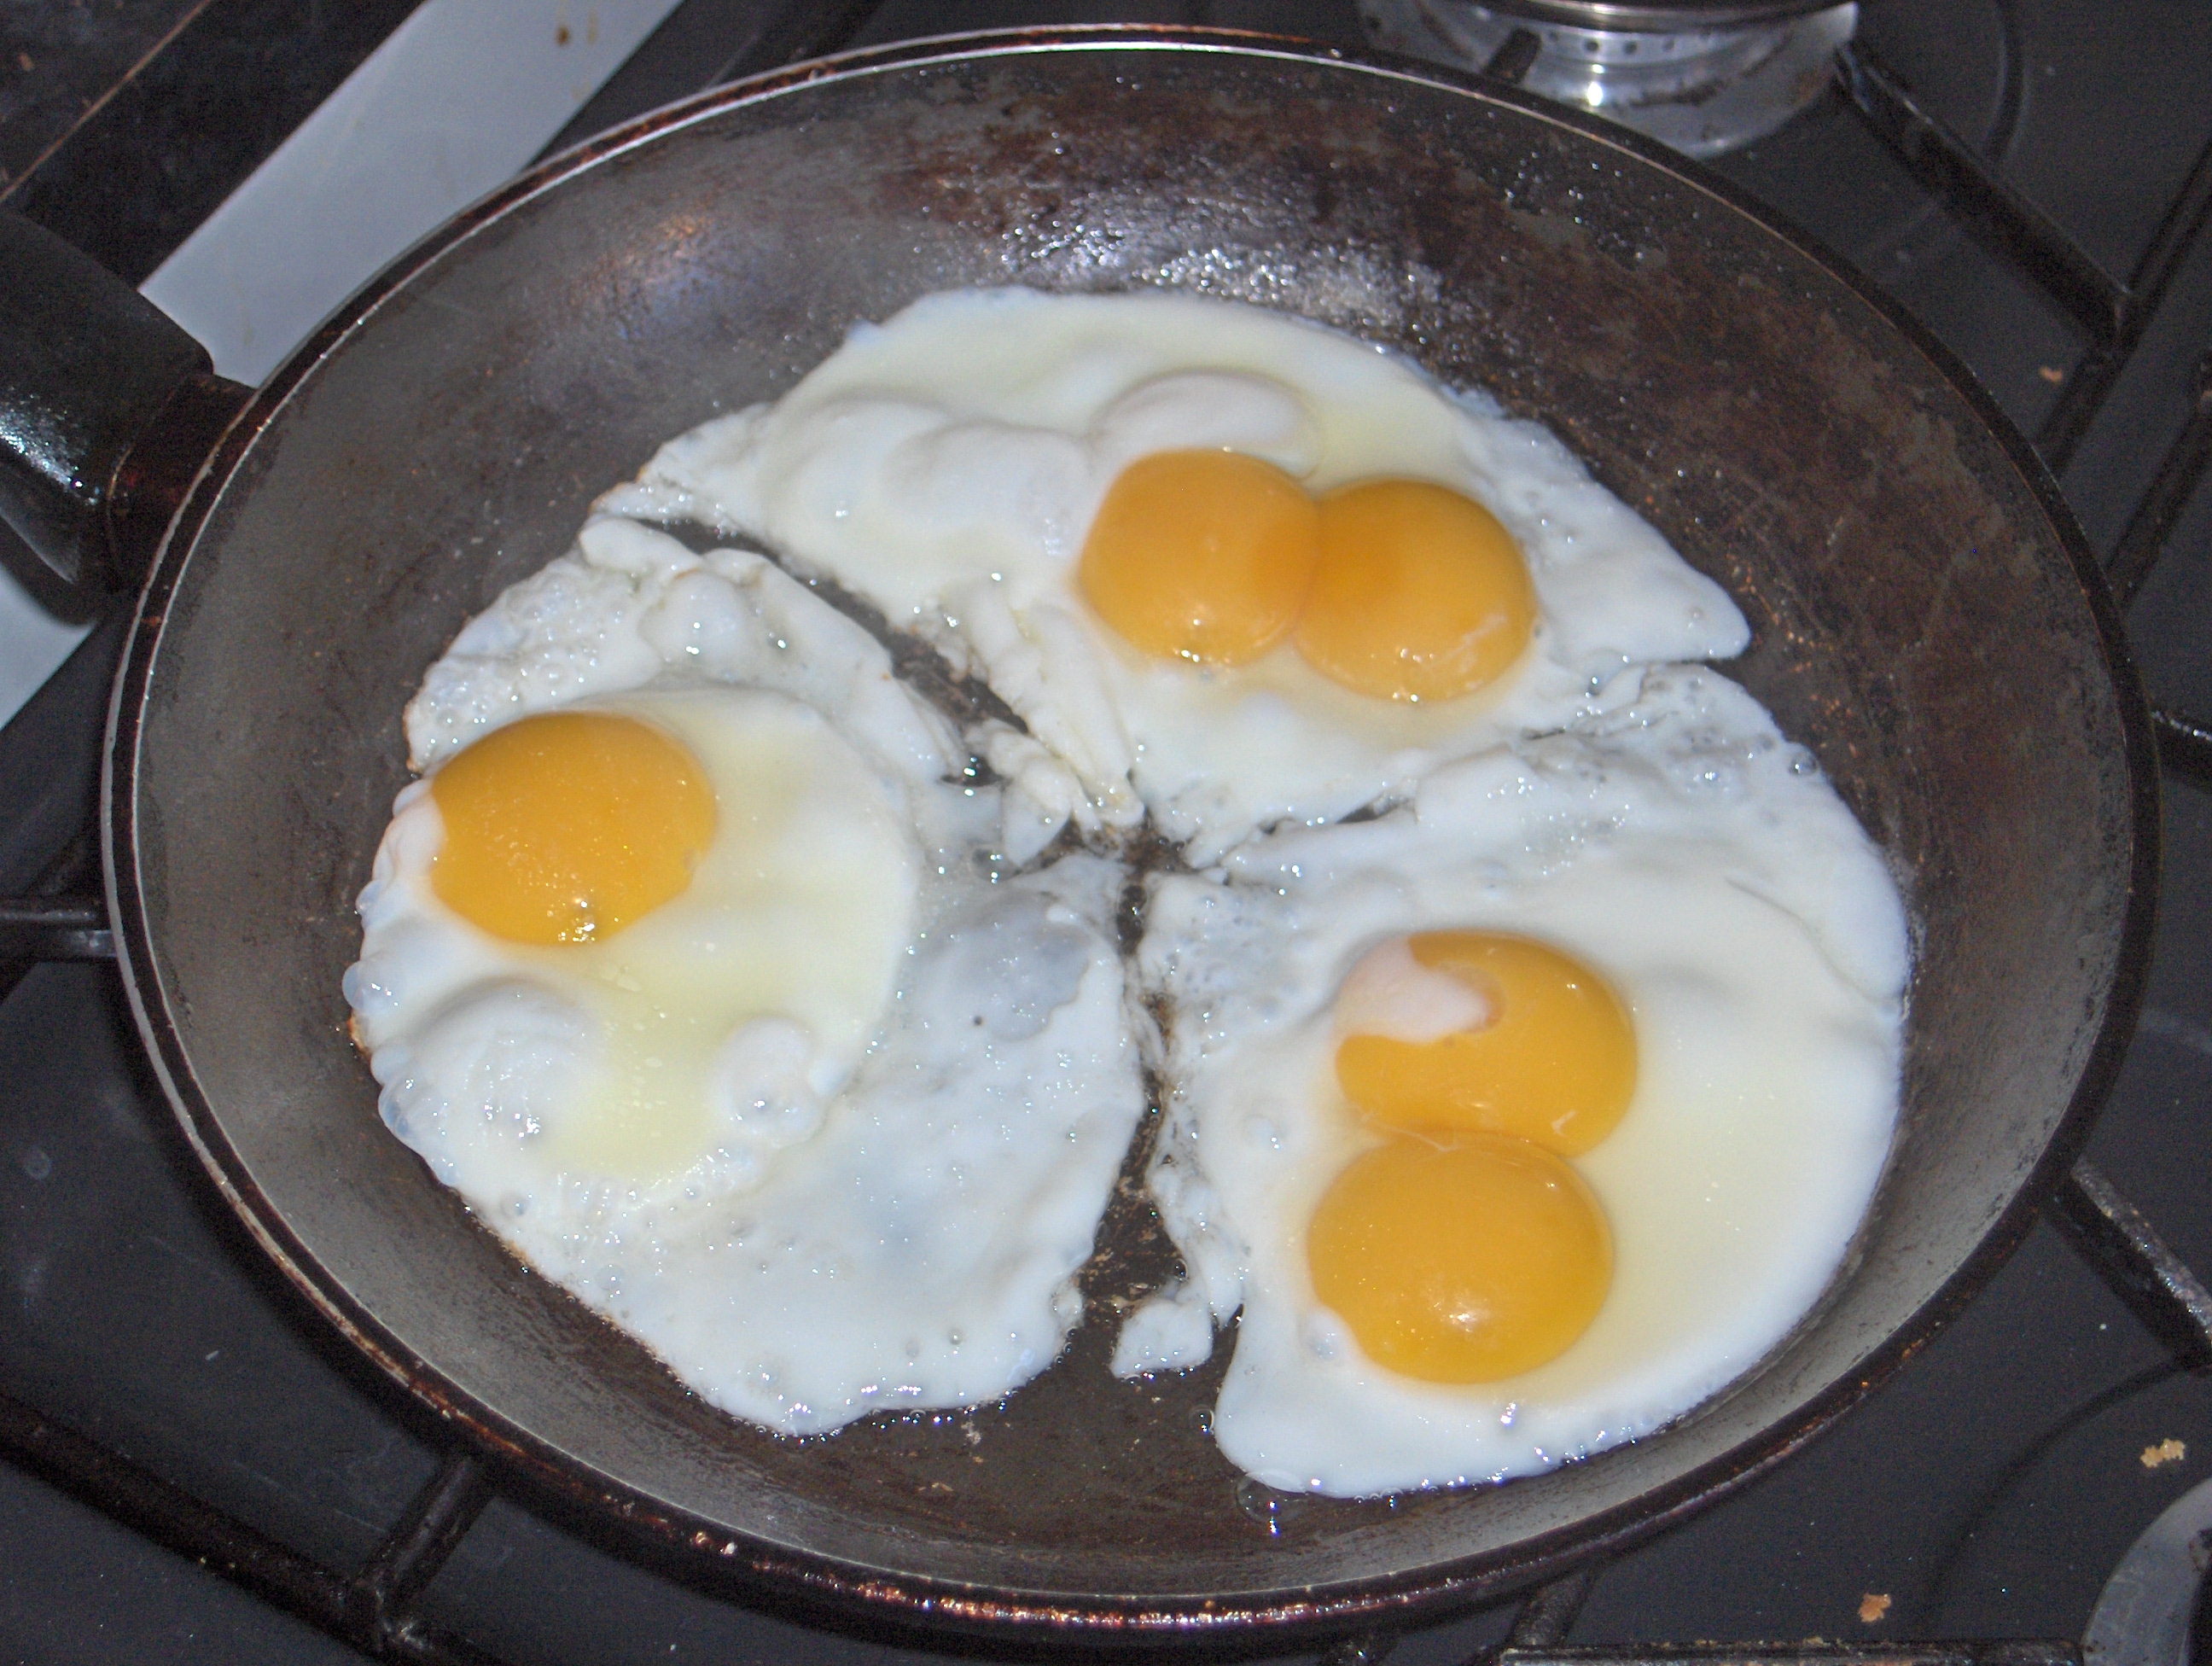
<point x="1420" y="593"/>
<point x="565" y="827"/>
<point x="1201" y="555"/>
<point x="1553" y="1062"/>
<point x="1463" y="1263"/>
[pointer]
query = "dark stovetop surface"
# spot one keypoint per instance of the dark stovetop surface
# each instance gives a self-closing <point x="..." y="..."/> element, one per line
<point x="1987" y="1491"/>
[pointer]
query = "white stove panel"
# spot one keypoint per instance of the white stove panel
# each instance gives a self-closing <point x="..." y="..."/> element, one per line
<point x="459" y="98"/>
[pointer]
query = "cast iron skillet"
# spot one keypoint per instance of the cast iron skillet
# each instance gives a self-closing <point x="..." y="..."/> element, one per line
<point x="1927" y="618"/>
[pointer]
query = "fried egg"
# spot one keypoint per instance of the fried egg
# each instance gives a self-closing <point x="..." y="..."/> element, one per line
<point x="1676" y="846"/>
<point x="1507" y="1118"/>
<point x="686" y="965"/>
<point x="972" y="466"/>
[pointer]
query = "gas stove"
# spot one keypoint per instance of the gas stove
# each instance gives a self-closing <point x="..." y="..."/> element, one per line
<point x="199" y="1471"/>
<point x="1706" y="77"/>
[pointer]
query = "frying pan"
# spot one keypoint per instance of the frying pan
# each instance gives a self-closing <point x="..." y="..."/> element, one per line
<point x="1927" y="618"/>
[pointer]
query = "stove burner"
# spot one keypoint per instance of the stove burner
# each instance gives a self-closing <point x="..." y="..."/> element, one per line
<point x="2145" y="1616"/>
<point x="1704" y="79"/>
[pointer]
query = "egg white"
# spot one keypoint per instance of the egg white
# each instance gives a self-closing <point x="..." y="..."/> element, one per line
<point x="906" y="1143"/>
<point x="669" y="1060"/>
<point x="947" y="466"/>
<point x="1677" y="844"/>
<point x="829" y="1132"/>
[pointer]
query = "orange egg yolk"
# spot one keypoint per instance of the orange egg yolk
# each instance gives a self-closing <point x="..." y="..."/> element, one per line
<point x="1554" y="1062"/>
<point x="565" y="827"/>
<point x="1419" y="594"/>
<point x="1464" y="1263"/>
<point x="1201" y="555"/>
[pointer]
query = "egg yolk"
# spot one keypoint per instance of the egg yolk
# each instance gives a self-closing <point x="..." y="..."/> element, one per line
<point x="1201" y="555"/>
<point x="1463" y="1263"/>
<point x="1419" y="594"/>
<point x="565" y="827"/>
<point x="1554" y="1063"/>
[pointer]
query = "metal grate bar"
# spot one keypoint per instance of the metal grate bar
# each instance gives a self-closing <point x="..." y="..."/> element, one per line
<point x="40" y="928"/>
<point x="696" y="47"/>
<point x="1982" y="200"/>
<point x="1549" y="1613"/>
<point x="436" y="1522"/>
<point x="2179" y="473"/>
<point x="801" y="32"/>
<point x="2119" y="1240"/>
<point x="2087" y="389"/>
<point x="1515" y="57"/>
<point x="27" y="929"/>
<point x="358" y="1610"/>
<point x="1542" y="1623"/>
<point x="2184" y="747"/>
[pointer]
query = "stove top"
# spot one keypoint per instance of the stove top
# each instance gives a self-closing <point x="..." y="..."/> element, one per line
<point x="200" y="1472"/>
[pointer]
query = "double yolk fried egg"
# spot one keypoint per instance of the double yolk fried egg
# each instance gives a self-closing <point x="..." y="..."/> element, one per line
<point x="954" y="465"/>
<point x="1493" y="1196"/>
<point x="787" y="1023"/>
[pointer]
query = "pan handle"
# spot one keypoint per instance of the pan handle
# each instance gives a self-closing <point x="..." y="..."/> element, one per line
<point x="107" y="410"/>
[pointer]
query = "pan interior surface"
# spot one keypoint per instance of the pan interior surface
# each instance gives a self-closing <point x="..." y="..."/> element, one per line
<point x="1918" y="623"/>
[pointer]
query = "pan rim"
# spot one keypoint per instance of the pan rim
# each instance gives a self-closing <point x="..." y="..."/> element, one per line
<point x="934" y="1604"/>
